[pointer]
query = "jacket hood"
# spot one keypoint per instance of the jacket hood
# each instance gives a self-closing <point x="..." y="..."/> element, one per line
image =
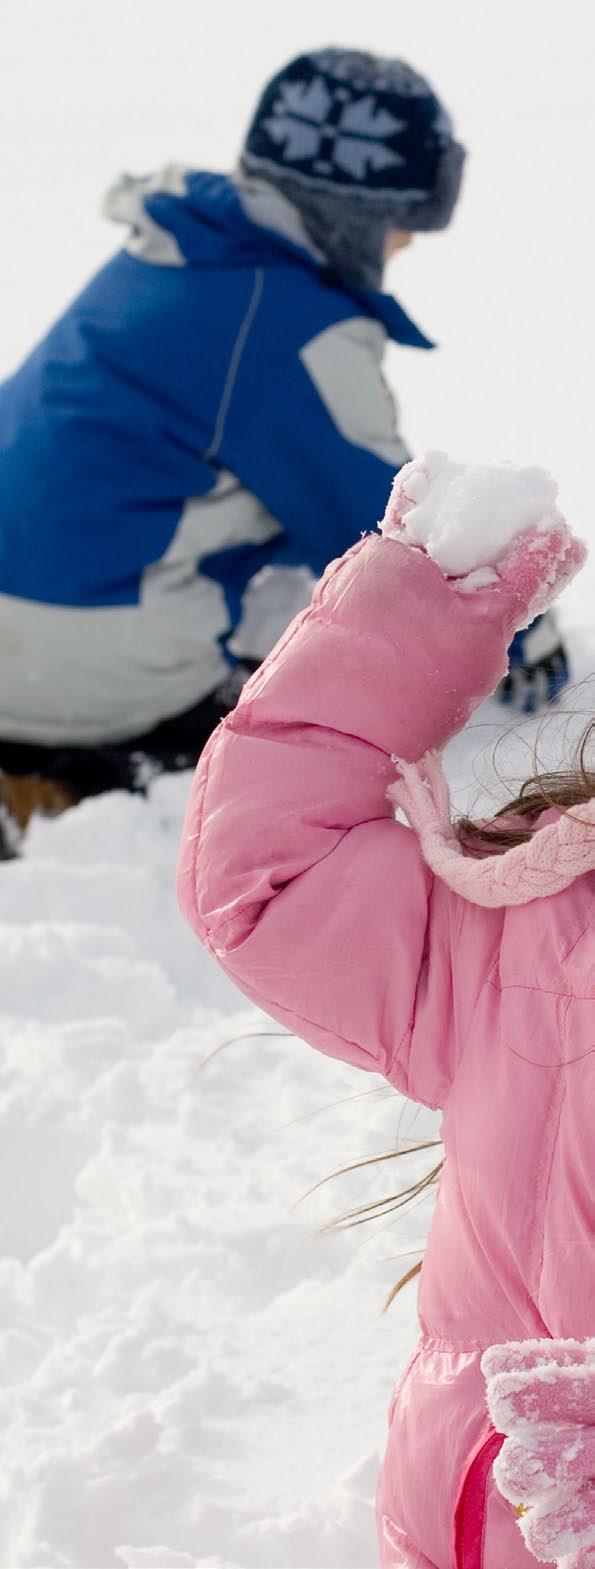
<point x="184" y="217"/>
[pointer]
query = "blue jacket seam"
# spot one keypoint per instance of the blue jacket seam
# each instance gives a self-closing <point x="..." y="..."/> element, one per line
<point x="234" y="363"/>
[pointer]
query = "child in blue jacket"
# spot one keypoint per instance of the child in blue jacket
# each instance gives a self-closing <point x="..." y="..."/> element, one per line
<point x="207" y="426"/>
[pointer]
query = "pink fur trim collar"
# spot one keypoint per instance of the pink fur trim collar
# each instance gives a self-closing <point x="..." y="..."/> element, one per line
<point x="550" y="861"/>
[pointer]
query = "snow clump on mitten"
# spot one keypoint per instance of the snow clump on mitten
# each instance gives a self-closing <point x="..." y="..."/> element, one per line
<point x="466" y="516"/>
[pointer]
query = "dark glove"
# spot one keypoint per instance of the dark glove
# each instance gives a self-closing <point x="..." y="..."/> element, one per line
<point x="539" y="667"/>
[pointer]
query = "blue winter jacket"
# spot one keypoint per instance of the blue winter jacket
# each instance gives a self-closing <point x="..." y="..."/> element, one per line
<point x="203" y="430"/>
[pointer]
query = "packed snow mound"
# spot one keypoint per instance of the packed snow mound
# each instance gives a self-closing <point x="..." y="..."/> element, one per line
<point x="173" y="1330"/>
<point x="466" y="515"/>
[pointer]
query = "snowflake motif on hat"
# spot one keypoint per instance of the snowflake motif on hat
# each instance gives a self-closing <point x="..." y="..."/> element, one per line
<point x="315" y="124"/>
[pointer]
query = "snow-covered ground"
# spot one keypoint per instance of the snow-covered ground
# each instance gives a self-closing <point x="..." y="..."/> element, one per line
<point x="190" y="1373"/>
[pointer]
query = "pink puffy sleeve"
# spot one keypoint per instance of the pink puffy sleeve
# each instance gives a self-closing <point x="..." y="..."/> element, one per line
<point x="293" y="871"/>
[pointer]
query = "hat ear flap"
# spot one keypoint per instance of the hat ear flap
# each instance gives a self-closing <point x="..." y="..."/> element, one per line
<point x="436" y="212"/>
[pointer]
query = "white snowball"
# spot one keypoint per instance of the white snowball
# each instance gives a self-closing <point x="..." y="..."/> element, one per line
<point x="466" y="516"/>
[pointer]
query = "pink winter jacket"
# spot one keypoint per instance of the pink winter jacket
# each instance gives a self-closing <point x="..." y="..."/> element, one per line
<point x="323" y="909"/>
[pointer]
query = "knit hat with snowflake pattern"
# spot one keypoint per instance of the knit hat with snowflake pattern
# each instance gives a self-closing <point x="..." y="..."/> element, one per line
<point x="360" y="145"/>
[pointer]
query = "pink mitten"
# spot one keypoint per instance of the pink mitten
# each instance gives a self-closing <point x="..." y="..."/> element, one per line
<point x="503" y="518"/>
<point x="491" y="541"/>
<point x="541" y="1393"/>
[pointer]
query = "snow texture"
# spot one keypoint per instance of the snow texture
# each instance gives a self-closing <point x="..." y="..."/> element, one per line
<point x="173" y="1332"/>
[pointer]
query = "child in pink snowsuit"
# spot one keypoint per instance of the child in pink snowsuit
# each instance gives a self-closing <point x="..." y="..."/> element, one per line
<point x="469" y="983"/>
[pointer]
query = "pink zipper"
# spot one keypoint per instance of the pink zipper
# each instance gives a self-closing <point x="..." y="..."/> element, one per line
<point x="470" y="1507"/>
